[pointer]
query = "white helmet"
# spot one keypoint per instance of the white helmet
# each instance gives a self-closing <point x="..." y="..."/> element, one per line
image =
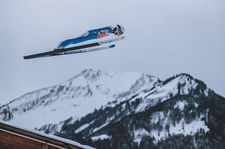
<point x="121" y="29"/>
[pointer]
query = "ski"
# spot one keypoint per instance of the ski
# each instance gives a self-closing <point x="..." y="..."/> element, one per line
<point x="89" y="50"/>
<point x="78" y="51"/>
<point x="76" y="48"/>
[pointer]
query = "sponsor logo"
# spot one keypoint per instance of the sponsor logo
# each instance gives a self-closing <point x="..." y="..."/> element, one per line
<point x="101" y="34"/>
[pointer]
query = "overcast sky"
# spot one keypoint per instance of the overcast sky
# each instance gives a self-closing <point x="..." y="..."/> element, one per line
<point x="163" y="38"/>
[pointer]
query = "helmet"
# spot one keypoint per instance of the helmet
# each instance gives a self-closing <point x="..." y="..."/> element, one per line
<point x="118" y="30"/>
<point x="121" y="29"/>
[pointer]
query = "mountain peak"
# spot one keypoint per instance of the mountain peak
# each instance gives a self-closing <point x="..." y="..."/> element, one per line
<point x="90" y="74"/>
<point x="81" y="94"/>
<point x="181" y="76"/>
<point x="184" y="75"/>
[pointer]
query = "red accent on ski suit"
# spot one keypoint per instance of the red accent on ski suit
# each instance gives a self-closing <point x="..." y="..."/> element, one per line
<point x="101" y="34"/>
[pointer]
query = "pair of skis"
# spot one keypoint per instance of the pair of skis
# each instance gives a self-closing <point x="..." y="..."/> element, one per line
<point x="77" y="49"/>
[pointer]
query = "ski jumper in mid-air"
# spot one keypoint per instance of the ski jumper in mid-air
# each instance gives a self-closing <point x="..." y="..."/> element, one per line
<point x="93" y="34"/>
<point x="62" y="48"/>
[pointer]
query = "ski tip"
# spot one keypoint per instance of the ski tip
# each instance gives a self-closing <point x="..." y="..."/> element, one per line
<point x="25" y="57"/>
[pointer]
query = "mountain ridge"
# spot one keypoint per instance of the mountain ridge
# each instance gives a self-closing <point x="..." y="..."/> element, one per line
<point x="81" y="86"/>
<point x="141" y="113"/>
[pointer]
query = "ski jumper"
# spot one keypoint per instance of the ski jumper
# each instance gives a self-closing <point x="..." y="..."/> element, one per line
<point x="89" y="35"/>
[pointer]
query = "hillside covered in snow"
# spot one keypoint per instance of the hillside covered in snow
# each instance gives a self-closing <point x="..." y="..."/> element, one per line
<point x="125" y="110"/>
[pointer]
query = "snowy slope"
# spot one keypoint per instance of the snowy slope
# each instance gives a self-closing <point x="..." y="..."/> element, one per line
<point x="183" y="84"/>
<point x="129" y="109"/>
<point x="169" y="108"/>
<point x="75" y="97"/>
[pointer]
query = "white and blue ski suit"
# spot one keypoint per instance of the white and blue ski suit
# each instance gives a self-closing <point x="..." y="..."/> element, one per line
<point x="89" y="35"/>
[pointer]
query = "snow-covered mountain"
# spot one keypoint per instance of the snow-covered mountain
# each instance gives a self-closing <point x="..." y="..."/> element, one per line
<point x="75" y="97"/>
<point x="125" y="110"/>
